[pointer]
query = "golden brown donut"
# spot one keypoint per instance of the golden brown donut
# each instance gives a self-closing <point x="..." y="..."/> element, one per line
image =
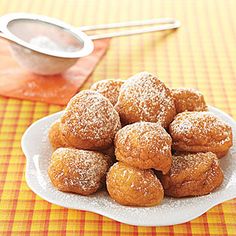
<point x="55" y="136"/>
<point x="109" y="88"/>
<point x="200" y="132"/>
<point x="192" y="175"/>
<point x="78" y="171"/>
<point x="90" y="121"/>
<point x="133" y="187"/>
<point x="143" y="97"/>
<point x="188" y="99"/>
<point x="144" y="145"/>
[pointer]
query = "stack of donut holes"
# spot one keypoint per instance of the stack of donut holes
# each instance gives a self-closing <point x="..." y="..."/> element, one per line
<point x="140" y="140"/>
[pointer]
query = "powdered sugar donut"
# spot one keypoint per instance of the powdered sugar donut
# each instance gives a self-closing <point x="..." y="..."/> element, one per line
<point x="188" y="99"/>
<point x="78" y="171"/>
<point x="200" y="132"/>
<point x="90" y="121"/>
<point x="192" y="175"/>
<point x="144" y="145"/>
<point x="133" y="187"/>
<point x="143" y="97"/>
<point x="109" y="88"/>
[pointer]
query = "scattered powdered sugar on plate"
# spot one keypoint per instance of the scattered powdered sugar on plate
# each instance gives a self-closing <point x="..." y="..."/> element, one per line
<point x="170" y="211"/>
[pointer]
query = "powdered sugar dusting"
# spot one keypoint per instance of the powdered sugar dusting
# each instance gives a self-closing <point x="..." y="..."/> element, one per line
<point x="133" y="186"/>
<point x="73" y="168"/>
<point x="144" y="145"/>
<point x="108" y="88"/>
<point x="143" y="97"/>
<point x="147" y="133"/>
<point x="192" y="175"/>
<point x="203" y="128"/>
<point x="44" y="42"/>
<point x="128" y="173"/>
<point x="191" y="162"/>
<point x="188" y="99"/>
<point x="90" y="116"/>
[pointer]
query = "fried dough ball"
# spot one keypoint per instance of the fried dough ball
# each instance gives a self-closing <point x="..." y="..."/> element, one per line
<point x="90" y="121"/>
<point x="188" y="99"/>
<point x="144" y="145"/>
<point x="78" y="171"/>
<point x="109" y="88"/>
<point x="192" y="175"/>
<point x="143" y="97"/>
<point x="200" y="132"/>
<point x="133" y="187"/>
<point x="55" y="136"/>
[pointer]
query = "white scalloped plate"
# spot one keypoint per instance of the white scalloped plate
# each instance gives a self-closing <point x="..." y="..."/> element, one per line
<point x="37" y="149"/>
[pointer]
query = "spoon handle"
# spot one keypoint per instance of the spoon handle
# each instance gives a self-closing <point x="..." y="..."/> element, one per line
<point x="161" y="24"/>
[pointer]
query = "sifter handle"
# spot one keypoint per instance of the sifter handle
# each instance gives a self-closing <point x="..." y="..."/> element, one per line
<point x="161" y="24"/>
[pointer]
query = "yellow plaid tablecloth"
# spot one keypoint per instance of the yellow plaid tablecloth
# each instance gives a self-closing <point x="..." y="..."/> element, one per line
<point x="201" y="54"/>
